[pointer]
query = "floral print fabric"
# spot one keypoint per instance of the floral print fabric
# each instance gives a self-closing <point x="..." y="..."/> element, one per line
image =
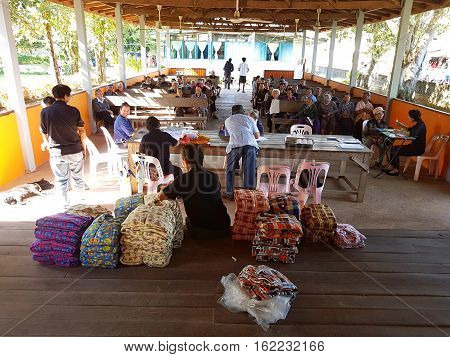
<point x="347" y="236"/>
<point x="86" y="210"/>
<point x="125" y="205"/>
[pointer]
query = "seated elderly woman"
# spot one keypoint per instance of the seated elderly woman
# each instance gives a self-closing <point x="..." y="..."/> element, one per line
<point x="157" y="144"/>
<point x="371" y="133"/>
<point x="200" y="190"/>
<point x="309" y="115"/>
<point x="327" y="115"/>
<point x="199" y="94"/>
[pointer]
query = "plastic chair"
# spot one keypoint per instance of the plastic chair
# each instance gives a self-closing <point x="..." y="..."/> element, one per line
<point x="112" y="146"/>
<point x="435" y="156"/>
<point x="274" y="174"/>
<point x="300" y="130"/>
<point x="96" y="158"/>
<point x="143" y="167"/>
<point x="364" y="124"/>
<point x="314" y="169"/>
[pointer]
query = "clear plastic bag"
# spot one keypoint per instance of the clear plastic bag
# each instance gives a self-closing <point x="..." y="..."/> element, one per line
<point x="235" y="299"/>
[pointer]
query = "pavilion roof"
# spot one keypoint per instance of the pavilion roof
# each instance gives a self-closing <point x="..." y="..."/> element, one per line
<point x="210" y="15"/>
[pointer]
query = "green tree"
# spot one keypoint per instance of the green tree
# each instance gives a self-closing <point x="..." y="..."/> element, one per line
<point x="422" y="29"/>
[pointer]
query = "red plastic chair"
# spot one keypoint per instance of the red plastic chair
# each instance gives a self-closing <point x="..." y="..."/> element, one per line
<point x="313" y="169"/>
<point x="274" y="174"/>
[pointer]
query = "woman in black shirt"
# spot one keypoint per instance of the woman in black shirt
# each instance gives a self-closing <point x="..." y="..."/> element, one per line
<point x="207" y="216"/>
<point x="417" y="146"/>
<point x="157" y="144"/>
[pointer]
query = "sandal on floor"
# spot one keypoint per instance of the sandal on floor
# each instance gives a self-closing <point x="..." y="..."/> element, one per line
<point x="390" y="173"/>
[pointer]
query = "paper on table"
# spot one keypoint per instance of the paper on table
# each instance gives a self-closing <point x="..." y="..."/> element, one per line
<point x="176" y="134"/>
<point x="351" y="146"/>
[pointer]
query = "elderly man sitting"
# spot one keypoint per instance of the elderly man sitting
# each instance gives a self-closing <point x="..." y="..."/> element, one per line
<point x="102" y="111"/>
<point x="203" y="111"/>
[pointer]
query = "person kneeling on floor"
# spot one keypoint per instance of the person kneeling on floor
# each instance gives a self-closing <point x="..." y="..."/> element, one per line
<point x="200" y="189"/>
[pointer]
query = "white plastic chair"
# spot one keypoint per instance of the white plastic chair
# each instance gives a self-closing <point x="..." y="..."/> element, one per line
<point x="274" y="174"/>
<point x="96" y="158"/>
<point x="364" y="124"/>
<point x="143" y="164"/>
<point x="112" y="146"/>
<point x="300" y="130"/>
<point x="435" y="156"/>
<point x="314" y="169"/>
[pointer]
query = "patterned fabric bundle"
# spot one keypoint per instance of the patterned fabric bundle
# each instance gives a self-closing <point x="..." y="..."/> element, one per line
<point x="264" y="283"/>
<point x="100" y="243"/>
<point x="347" y="236"/>
<point x="284" y="204"/>
<point x="319" y="222"/>
<point x="86" y="210"/>
<point x="58" y="239"/>
<point x="249" y="204"/>
<point x="125" y="205"/>
<point x="173" y="206"/>
<point x="277" y="238"/>
<point x="148" y="234"/>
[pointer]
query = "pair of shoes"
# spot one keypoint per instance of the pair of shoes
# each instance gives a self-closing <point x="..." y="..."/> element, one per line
<point x="243" y="91"/>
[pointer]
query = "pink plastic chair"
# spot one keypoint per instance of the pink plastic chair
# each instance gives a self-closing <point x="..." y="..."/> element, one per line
<point x="274" y="174"/>
<point x="143" y="166"/>
<point x="314" y="169"/>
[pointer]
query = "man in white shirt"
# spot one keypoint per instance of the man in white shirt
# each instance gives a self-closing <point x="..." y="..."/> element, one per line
<point x="243" y="132"/>
<point x="363" y="111"/>
<point x="243" y="70"/>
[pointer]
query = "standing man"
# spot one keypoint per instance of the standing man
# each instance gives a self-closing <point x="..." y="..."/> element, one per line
<point x="62" y="129"/>
<point x="243" y="70"/>
<point x="243" y="133"/>
<point x="123" y="130"/>
<point x="227" y="69"/>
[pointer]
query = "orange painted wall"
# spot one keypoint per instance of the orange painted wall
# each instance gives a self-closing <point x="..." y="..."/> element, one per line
<point x="34" y="119"/>
<point x="80" y="101"/>
<point x="185" y="71"/>
<point x="320" y="80"/>
<point x="132" y="81"/>
<point x="339" y="86"/>
<point x="279" y="74"/>
<point x="437" y="122"/>
<point x="375" y="98"/>
<point x="307" y="76"/>
<point x="11" y="160"/>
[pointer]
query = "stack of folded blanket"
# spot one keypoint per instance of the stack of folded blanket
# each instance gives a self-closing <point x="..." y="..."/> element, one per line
<point x="319" y="222"/>
<point x="249" y="204"/>
<point x="347" y="236"/>
<point x="277" y="238"/>
<point x="147" y="236"/>
<point x="284" y="204"/>
<point x="86" y="210"/>
<point x="171" y="205"/>
<point x="124" y="206"/>
<point x="264" y="283"/>
<point x="58" y="239"/>
<point x="100" y="243"/>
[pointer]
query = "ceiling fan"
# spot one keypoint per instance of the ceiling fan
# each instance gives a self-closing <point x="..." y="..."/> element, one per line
<point x="237" y="19"/>
<point x="158" y="23"/>
<point x="317" y="24"/>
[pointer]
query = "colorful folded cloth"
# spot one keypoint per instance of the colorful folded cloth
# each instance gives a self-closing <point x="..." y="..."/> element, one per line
<point x="100" y="243"/>
<point x="314" y="235"/>
<point x="277" y="238"/>
<point x="125" y="205"/>
<point x="42" y="246"/>
<point x="284" y="203"/>
<point x="249" y="204"/>
<point x="58" y="239"/>
<point x="263" y="283"/>
<point x="147" y="236"/>
<point x="319" y="216"/>
<point x="86" y="210"/>
<point x="66" y="222"/>
<point x="347" y="236"/>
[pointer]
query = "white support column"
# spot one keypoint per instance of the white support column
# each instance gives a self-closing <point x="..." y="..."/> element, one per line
<point x="8" y="54"/>
<point x="253" y="47"/>
<point x="142" y="42"/>
<point x="168" y="48"/>
<point x="304" y="44"/>
<point x="158" y="48"/>
<point x="86" y="81"/>
<point x="359" y="30"/>
<point x="120" y="49"/>
<point x="316" y="40"/>
<point x="331" y="54"/>
<point x="210" y="47"/>
<point x="400" y="49"/>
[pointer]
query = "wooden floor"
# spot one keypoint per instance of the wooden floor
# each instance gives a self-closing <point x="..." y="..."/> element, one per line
<point x="336" y="299"/>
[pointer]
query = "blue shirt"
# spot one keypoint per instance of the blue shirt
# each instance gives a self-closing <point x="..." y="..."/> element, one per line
<point x="241" y="129"/>
<point x="122" y="129"/>
<point x="313" y="98"/>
